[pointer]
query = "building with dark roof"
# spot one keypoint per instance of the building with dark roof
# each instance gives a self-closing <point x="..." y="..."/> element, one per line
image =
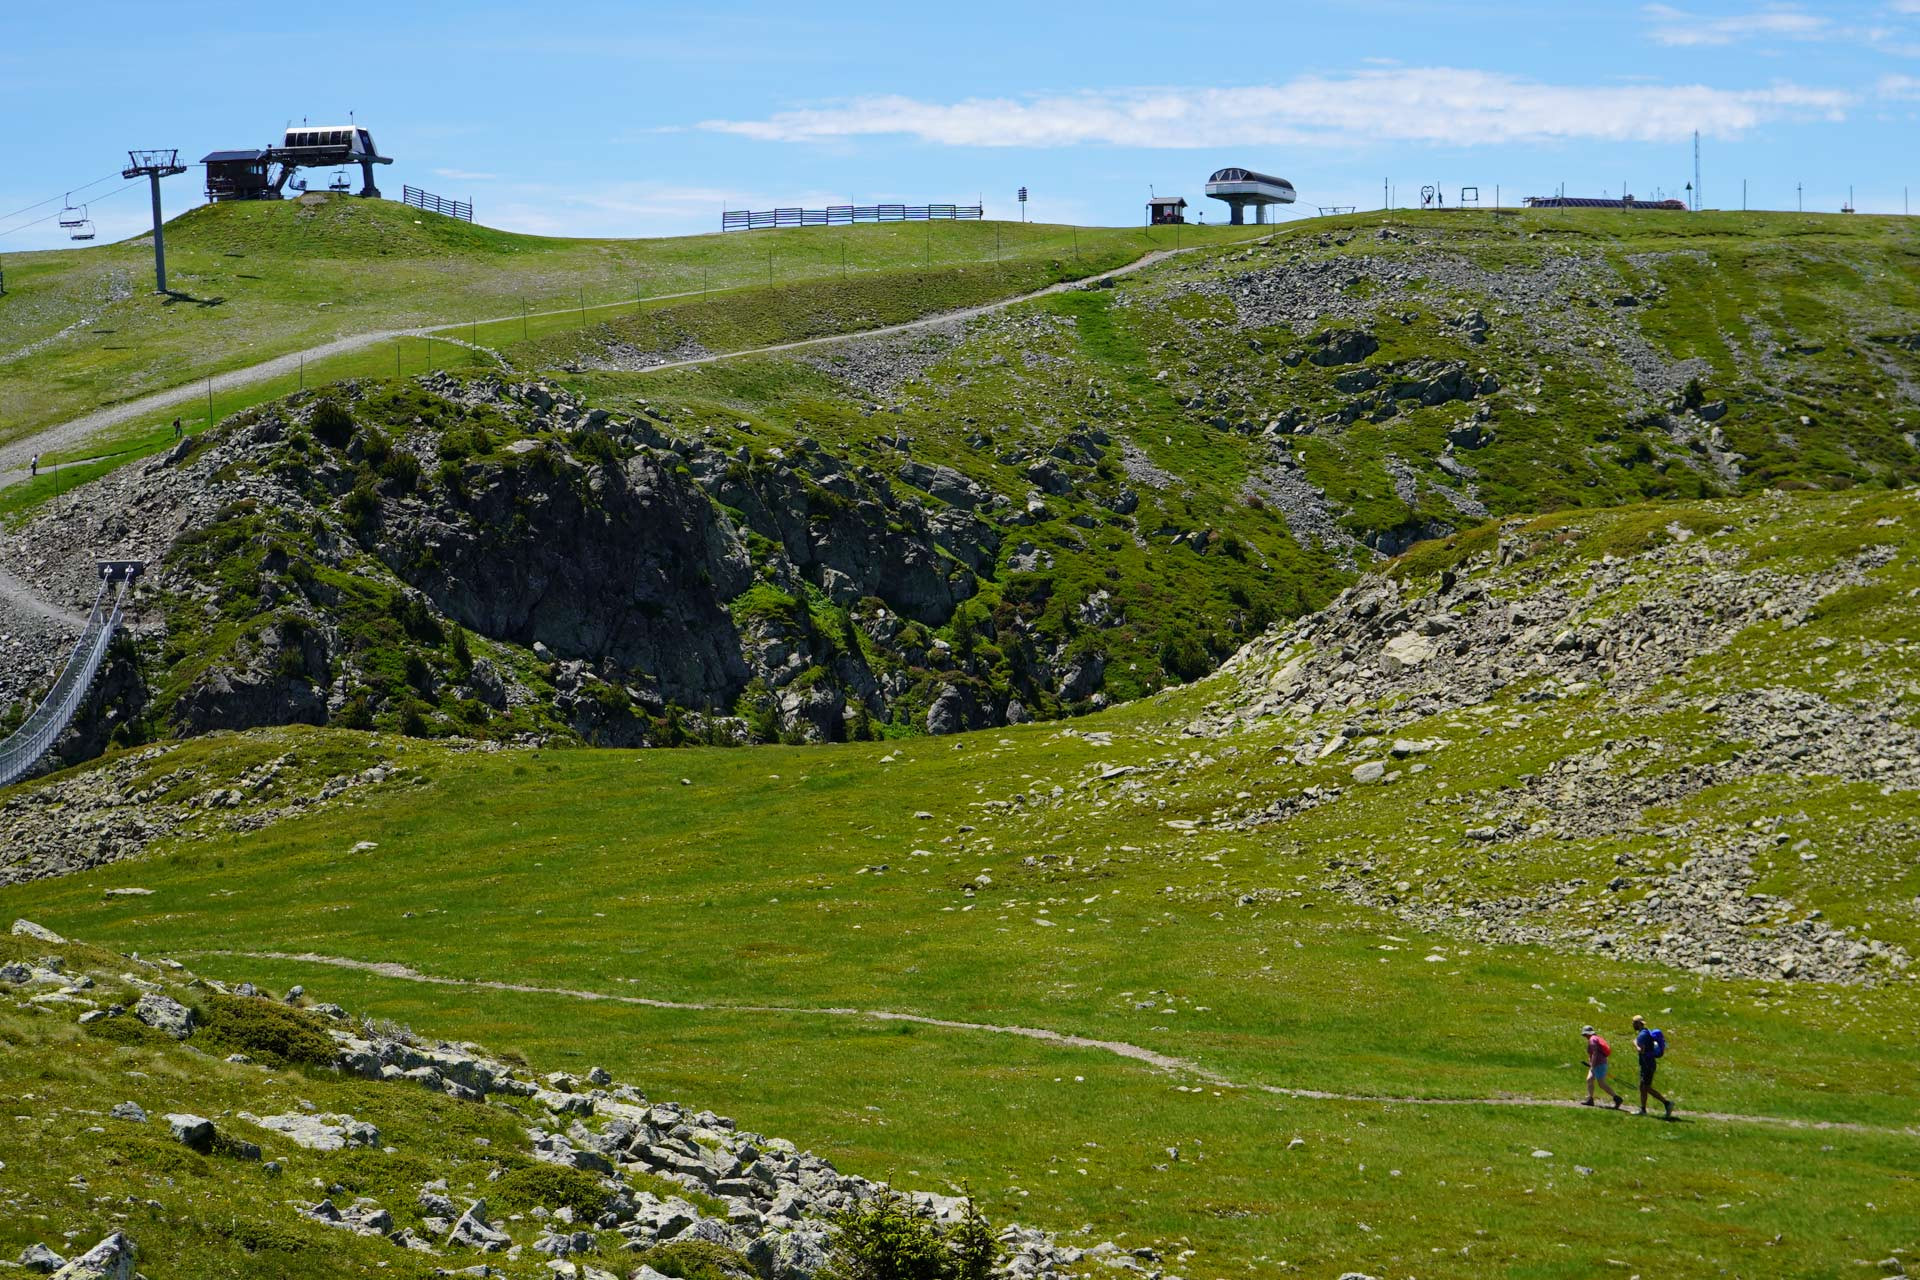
<point x="1166" y="210"/>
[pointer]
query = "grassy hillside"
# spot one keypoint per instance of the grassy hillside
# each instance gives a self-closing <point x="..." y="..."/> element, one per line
<point x="1184" y="457"/>
<point x="81" y="328"/>
<point x="1711" y="701"/>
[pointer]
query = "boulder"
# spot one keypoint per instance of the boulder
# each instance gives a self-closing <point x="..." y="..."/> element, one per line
<point x="474" y="1231"/>
<point x="40" y="933"/>
<point x="130" y="1111"/>
<point x="164" y="1013"/>
<point x="326" y="1132"/>
<point x="1405" y="652"/>
<point x="111" y="1259"/>
<point x="40" y="1259"/>
<point x="191" y="1130"/>
<point x="1343" y="346"/>
<point x="793" y="1255"/>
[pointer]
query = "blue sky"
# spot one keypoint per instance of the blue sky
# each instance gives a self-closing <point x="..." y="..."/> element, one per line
<point x="592" y="117"/>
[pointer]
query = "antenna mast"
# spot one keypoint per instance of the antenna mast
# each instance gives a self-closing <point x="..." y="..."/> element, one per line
<point x="1696" y="169"/>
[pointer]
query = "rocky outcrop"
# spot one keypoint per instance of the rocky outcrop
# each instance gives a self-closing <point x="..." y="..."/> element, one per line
<point x="526" y="566"/>
<point x="760" y="1198"/>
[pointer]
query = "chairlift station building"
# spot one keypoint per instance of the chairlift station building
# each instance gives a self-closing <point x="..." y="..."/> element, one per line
<point x="262" y="174"/>
<point x="1243" y="189"/>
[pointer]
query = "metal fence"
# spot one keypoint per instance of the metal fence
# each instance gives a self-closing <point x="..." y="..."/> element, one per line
<point x="36" y="736"/>
<point x="432" y="203"/>
<point x="842" y="214"/>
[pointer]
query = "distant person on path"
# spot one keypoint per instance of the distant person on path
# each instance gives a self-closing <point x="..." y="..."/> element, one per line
<point x="33" y="466"/>
<point x="176" y="428"/>
<point x="1598" y="1051"/>
<point x="1651" y="1046"/>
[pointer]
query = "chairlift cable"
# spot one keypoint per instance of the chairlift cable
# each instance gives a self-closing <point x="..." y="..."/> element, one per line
<point x="51" y="216"/>
<point x="6" y="217"/>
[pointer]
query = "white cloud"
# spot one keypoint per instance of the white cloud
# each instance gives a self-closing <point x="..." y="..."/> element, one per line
<point x="465" y="175"/>
<point x="1678" y="27"/>
<point x="1439" y="105"/>
<point x="1899" y="88"/>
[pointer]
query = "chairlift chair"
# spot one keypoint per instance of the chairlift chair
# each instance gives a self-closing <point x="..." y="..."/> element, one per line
<point x="339" y="182"/>
<point x="71" y="214"/>
<point x="85" y="231"/>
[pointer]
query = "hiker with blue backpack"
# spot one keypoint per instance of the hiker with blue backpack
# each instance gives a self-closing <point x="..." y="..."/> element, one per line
<point x="1652" y="1044"/>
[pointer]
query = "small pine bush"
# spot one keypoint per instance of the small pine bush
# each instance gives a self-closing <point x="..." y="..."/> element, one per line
<point x="888" y="1237"/>
<point x="331" y="423"/>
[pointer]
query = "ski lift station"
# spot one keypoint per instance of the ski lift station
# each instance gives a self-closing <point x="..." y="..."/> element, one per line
<point x="262" y="174"/>
<point x="1243" y="189"/>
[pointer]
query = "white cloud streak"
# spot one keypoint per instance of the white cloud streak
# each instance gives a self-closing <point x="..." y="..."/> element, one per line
<point x="465" y="175"/>
<point x="1677" y="27"/>
<point x="1899" y="88"/>
<point x="1434" y="105"/>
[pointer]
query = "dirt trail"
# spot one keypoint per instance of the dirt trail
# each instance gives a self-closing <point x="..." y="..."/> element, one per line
<point x="925" y="322"/>
<point x="1119" y="1048"/>
<point x="66" y="435"/>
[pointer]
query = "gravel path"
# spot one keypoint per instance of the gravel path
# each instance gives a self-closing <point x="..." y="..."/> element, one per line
<point x="12" y="589"/>
<point x="928" y="322"/>
<point x="1119" y="1048"/>
<point x="77" y="431"/>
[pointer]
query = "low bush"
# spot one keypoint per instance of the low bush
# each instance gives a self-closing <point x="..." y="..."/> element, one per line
<point x="697" y="1260"/>
<point x="264" y="1030"/>
<point x="549" y="1186"/>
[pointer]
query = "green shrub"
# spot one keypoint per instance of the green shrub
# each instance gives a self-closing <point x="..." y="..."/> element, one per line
<point x="128" y="1031"/>
<point x="758" y="708"/>
<point x="360" y="507"/>
<point x="402" y="469"/>
<point x="375" y="448"/>
<point x="1182" y="655"/>
<point x="889" y="1238"/>
<point x="332" y="424"/>
<point x="549" y="1186"/>
<point x="697" y="1260"/>
<point x="264" y="1030"/>
<point x="597" y="446"/>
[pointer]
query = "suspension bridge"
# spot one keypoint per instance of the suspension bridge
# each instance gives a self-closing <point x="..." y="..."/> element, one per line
<point x="36" y="735"/>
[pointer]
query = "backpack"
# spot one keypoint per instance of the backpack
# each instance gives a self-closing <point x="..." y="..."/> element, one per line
<point x="1606" y="1050"/>
<point x="1659" y="1039"/>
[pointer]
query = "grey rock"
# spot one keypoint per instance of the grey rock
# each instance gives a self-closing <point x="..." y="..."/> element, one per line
<point x="473" y="1231"/>
<point x="320" y="1131"/>
<point x="164" y="1013"/>
<point x="39" y="933"/>
<point x="111" y="1259"/>
<point x="191" y="1130"/>
<point x="38" y="1257"/>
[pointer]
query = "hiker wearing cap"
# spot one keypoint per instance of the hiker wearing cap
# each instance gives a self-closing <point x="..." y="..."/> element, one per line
<point x="1598" y="1051"/>
<point x="1652" y="1046"/>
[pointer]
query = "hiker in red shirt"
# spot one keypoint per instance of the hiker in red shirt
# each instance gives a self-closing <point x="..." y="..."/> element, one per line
<point x="1598" y="1051"/>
